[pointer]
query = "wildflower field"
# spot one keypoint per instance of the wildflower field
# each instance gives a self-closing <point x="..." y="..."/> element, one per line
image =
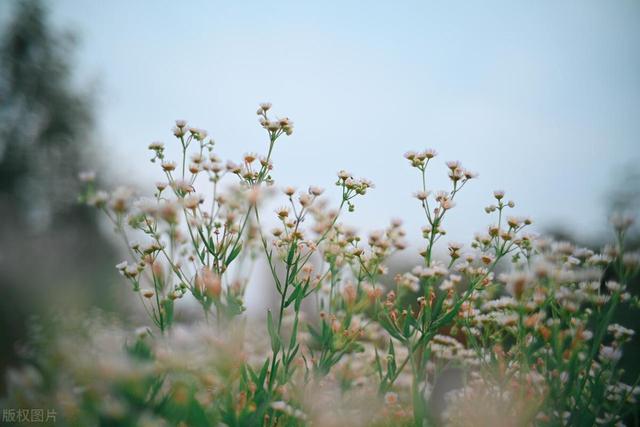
<point x="507" y="329"/>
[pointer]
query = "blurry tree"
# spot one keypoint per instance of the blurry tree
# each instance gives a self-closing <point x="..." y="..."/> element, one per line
<point x="43" y="120"/>
<point x="626" y="194"/>
<point x="52" y="252"/>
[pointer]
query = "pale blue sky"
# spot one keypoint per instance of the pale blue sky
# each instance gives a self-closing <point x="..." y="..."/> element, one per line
<point x="541" y="98"/>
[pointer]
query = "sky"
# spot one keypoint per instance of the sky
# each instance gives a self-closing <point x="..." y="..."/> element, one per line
<point x="541" y="98"/>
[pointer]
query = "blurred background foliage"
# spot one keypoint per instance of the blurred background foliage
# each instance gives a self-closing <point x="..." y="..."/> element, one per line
<point x="53" y="254"/>
<point x="624" y="197"/>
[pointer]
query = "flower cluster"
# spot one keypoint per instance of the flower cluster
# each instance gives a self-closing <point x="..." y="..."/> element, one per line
<point x="509" y="328"/>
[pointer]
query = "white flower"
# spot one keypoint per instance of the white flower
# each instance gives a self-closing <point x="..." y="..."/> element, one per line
<point x="610" y="354"/>
<point x="87" y="176"/>
<point x="391" y="398"/>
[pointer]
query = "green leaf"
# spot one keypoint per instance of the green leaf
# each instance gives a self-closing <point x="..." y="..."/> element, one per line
<point x="196" y="414"/>
<point x="252" y="375"/>
<point x="391" y="366"/>
<point x="301" y="296"/>
<point x="438" y="305"/>
<point x="294" y="333"/>
<point x="155" y="388"/>
<point x="314" y="333"/>
<point x="275" y="338"/>
<point x="406" y="327"/>
<point x="263" y="374"/>
<point x="292" y="354"/>
<point x="292" y="250"/>
<point x="293" y="296"/>
<point x="386" y="323"/>
<point x="233" y="255"/>
<point x="208" y="243"/>
<point x="235" y="306"/>
<point x="167" y="304"/>
<point x="273" y="373"/>
<point x="378" y="364"/>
